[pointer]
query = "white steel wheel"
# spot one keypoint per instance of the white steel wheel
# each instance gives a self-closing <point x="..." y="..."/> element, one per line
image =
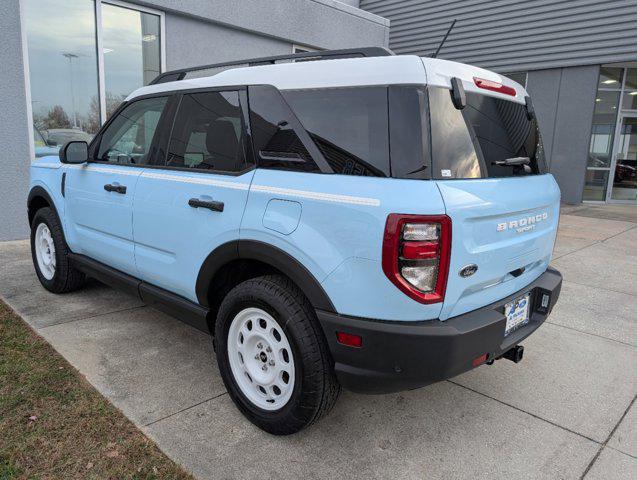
<point x="45" y="251"/>
<point x="261" y="359"/>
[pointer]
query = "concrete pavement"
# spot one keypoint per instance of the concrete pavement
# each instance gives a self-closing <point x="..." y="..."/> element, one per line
<point x="567" y="411"/>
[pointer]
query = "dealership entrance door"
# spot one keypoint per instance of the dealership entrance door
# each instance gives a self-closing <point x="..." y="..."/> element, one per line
<point x="623" y="182"/>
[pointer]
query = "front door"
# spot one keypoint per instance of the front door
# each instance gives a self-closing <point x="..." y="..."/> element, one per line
<point x="192" y="201"/>
<point x="99" y="194"/>
<point x="624" y="180"/>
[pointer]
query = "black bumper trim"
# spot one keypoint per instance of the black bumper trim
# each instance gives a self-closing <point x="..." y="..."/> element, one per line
<point x="399" y="356"/>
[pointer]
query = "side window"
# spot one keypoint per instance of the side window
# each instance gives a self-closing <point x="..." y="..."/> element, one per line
<point x="208" y="133"/>
<point x="276" y="133"/>
<point x="128" y="138"/>
<point x="348" y="125"/>
<point x="453" y="150"/>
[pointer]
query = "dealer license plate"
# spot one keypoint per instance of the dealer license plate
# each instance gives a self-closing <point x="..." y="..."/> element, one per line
<point x="517" y="313"/>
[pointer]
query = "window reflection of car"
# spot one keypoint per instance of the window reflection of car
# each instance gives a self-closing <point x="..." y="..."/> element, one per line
<point x="62" y="135"/>
<point x="623" y="172"/>
<point x="43" y="147"/>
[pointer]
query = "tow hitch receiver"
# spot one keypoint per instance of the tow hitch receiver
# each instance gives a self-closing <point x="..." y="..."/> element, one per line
<point x="515" y="354"/>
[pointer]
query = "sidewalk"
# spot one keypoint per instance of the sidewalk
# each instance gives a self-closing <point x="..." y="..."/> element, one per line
<point x="566" y="411"/>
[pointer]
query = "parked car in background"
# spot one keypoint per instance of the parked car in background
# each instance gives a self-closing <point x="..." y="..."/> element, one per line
<point x="42" y="146"/>
<point x="377" y="223"/>
<point x="63" y="135"/>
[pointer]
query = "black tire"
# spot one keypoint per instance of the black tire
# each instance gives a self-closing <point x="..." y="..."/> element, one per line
<point x="65" y="278"/>
<point x="316" y="387"/>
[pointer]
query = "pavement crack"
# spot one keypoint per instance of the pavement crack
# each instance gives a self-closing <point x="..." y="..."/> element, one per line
<point x="610" y="435"/>
<point x="184" y="409"/>
<point x="528" y="413"/>
<point x="97" y="315"/>
<point x="591" y="334"/>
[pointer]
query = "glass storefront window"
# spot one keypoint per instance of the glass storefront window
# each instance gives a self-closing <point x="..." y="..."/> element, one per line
<point x="596" y="182"/>
<point x="64" y="73"/>
<point x="630" y="100"/>
<point x="63" y="70"/>
<point x="131" y="51"/>
<point x="610" y="77"/>
<point x="603" y="130"/>
<point x="631" y="79"/>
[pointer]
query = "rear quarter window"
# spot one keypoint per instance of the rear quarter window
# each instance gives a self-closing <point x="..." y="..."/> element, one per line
<point x="348" y="125"/>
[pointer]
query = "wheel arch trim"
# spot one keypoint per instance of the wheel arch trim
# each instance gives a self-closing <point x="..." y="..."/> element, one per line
<point x="268" y="254"/>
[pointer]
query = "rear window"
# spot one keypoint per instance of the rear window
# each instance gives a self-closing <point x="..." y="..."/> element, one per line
<point x="473" y="142"/>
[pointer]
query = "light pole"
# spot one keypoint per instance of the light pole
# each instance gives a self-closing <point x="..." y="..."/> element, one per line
<point x="71" y="56"/>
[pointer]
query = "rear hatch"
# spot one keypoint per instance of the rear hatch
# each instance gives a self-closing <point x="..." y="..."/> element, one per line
<point x="488" y="162"/>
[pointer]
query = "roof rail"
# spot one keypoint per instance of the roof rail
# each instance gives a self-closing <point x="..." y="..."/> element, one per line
<point x="180" y="74"/>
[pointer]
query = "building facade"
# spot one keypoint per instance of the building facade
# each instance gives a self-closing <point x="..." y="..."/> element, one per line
<point x="67" y="64"/>
<point x="577" y="59"/>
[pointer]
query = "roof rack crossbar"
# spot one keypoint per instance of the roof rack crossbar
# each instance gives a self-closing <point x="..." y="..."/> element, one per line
<point x="180" y="74"/>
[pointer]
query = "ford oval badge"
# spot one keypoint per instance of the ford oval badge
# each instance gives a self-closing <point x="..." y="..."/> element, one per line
<point x="468" y="270"/>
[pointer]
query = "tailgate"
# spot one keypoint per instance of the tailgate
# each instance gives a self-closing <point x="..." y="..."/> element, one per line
<point x="505" y="226"/>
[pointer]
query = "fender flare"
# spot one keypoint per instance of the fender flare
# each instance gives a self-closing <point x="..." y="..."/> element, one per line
<point x="39" y="191"/>
<point x="270" y="255"/>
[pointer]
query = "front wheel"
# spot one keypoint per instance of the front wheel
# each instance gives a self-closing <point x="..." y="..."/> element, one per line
<point x="273" y="357"/>
<point x="50" y="254"/>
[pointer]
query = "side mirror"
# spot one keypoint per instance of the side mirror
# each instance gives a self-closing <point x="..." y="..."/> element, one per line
<point x="74" y="152"/>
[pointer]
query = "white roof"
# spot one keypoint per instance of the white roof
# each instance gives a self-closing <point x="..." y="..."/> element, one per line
<point x="349" y="72"/>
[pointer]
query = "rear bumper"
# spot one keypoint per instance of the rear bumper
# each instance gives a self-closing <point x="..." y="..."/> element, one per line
<point x="399" y="356"/>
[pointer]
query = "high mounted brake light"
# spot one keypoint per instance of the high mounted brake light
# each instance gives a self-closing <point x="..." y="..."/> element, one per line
<point x="416" y="251"/>
<point x="494" y="86"/>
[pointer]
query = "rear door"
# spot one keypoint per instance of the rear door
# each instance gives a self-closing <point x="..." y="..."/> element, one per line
<point x="193" y="198"/>
<point x="504" y="217"/>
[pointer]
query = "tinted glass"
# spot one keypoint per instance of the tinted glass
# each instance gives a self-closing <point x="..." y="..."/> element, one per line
<point x="62" y="69"/>
<point x="207" y="133"/>
<point x="502" y="130"/>
<point x="453" y="152"/>
<point x="131" y="42"/>
<point x="276" y="132"/>
<point x="349" y="126"/>
<point x="409" y="132"/>
<point x="128" y="138"/>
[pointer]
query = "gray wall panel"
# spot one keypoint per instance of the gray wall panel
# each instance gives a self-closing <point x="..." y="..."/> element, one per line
<point x="14" y="127"/>
<point x="544" y="88"/>
<point x="212" y="43"/>
<point x="317" y="23"/>
<point x="510" y="35"/>
<point x="572" y="130"/>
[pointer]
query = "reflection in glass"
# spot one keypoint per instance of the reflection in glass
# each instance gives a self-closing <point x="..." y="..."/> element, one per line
<point x="629" y="101"/>
<point x="625" y="178"/>
<point x="610" y="77"/>
<point x="62" y="70"/>
<point x="603" y="130"/>
<point x="595" y="186"/>
<point x="131" y="52"/>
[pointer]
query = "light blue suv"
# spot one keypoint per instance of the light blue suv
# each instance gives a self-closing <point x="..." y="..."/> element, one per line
<point x="361" y="219"/>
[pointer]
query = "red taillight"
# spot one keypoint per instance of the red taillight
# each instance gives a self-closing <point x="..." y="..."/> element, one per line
<point x="494" y="86"/>
<point x="349" y="339"/>
<point x="416" y="251"/>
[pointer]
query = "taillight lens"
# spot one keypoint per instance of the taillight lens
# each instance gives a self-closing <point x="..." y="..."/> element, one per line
<point x="494" y="86"/>
<point x="416" y="251"/>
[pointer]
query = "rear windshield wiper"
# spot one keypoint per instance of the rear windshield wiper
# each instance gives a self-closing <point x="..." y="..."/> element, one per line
<point x="512" y="162"/>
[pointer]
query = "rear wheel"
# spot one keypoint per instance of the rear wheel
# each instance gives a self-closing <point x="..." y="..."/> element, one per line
<point x="50" y="254"/>
<point x="273" y="357"/>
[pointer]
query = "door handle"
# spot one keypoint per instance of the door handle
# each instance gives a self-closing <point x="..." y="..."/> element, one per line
<point x="115" y="188"/>
<point x="209" y="204"/>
